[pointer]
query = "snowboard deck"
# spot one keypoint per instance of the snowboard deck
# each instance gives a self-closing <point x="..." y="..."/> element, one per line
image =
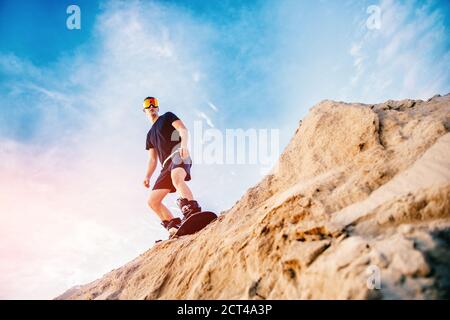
<point x="195" y="223"/>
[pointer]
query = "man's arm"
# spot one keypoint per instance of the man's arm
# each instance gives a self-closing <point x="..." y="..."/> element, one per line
<point x="181" y="128"/>
<point x="151" y="166"/>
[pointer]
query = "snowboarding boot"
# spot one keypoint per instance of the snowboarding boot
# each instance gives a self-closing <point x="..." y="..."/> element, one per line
<point x="188" y="207"/>
<point x="171" y="225"/>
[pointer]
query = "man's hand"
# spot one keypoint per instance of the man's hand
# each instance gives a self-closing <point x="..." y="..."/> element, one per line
<point x="147" y="182"/>
<point x="184" y="153"/>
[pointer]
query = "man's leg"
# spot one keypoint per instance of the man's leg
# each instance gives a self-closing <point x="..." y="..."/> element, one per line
<point x="178" y="175"/>
<point x="155" y="203"/>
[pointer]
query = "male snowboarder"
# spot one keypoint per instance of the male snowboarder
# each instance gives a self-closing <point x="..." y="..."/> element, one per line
<point x="167" y="140"/>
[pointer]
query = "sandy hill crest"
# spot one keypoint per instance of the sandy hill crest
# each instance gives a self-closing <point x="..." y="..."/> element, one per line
<point x="360" y="194"/>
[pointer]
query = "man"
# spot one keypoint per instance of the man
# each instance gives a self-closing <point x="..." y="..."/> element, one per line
<point x="167" y="140"/>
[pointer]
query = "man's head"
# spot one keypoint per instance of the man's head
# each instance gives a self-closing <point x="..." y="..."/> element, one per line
<point x="151" y="106"/>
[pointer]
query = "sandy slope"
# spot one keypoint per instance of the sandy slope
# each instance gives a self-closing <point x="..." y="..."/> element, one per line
<point x="360" y="191"/>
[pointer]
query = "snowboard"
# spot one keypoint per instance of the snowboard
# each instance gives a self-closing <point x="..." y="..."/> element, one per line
<point x="195" y="223"/>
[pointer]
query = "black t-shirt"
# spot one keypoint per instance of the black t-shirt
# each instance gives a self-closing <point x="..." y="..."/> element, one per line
<point x="163" y="136"/>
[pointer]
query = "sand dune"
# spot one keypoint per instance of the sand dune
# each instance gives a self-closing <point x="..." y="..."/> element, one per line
<point x="358" y="207"/>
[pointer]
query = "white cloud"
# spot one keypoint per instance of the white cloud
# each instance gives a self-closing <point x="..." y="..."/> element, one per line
<point x="397" y="60"/>
<point x="196" y="76"/>
<point x="12" y="64"/>
<point x="52" y="94"/>
<point x="355" y="52"/>
<point x="355" y="49"/>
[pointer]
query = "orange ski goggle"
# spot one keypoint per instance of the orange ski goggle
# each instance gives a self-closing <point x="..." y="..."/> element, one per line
<point x="151" y="102"/>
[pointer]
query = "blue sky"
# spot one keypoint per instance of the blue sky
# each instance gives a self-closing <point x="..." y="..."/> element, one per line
<point x="72" y="131"/>
<point x="292" y="52"/>
<point x="33" y="30"/>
